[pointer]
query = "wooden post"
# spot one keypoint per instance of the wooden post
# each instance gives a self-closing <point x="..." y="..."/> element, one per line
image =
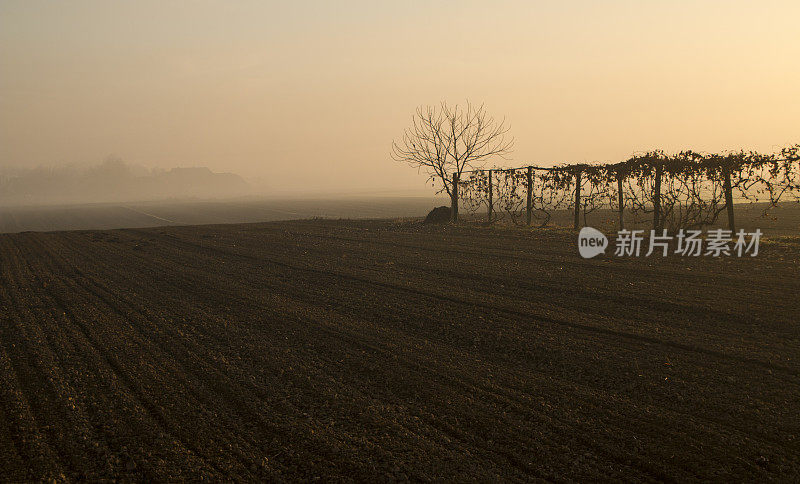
<point x="577" y="198"/>
<point x="491" y="207"/>
<point x="729" y="198"/>
<point x="657" y="198"/>
<point x="454" y="200"/>
<point x="530" y="189"/>
<point x="621" y="200"/>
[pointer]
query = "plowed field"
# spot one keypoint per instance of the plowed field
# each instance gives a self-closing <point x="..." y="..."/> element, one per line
<point x="390" y="351"/>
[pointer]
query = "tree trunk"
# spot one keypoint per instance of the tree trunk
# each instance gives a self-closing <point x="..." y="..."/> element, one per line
<point x="454" y="199"/>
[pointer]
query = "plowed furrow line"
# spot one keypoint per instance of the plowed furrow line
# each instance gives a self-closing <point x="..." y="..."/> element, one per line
<point x="526" y="409"/>
<point x="467" y="249"/>
<point x="20" y="424"/>
<point x="123" y="375"/>
<point x="490" y="307"/>
<point x="110" y="392"/>
<point x="256" y="391"/>
<point x="195" y="283"/>
<point x="235" y="394"/>
<point x="21" y="429"/>
<point x="471" y="387"/>
<point x="740" y="430"/>
<point x="74" y="361"/>
<point x="44" y="389"/>
<point x="728" y="288"/>
<point x="656" y="416"/>
<point x="567" y="294"/>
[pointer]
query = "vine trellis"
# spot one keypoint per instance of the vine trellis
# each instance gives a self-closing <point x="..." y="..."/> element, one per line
<point x="684" y="190"/>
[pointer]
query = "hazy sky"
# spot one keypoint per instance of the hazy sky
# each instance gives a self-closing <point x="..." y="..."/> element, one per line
<point x="311" y="94"/>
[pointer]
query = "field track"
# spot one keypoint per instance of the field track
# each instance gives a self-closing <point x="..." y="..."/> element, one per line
<point x="389" y="351"/>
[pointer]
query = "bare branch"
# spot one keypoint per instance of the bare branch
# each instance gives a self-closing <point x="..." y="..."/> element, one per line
<point x="444" y="140"/>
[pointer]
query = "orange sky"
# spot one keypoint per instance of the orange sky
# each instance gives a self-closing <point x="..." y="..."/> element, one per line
<point x="309" y="95"/>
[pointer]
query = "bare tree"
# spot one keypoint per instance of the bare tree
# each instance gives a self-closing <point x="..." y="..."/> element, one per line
<point x="444" y="140"/>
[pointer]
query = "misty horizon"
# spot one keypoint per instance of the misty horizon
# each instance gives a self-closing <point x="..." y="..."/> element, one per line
<point x="113" y="180"/>
<point x="307" y="100"/>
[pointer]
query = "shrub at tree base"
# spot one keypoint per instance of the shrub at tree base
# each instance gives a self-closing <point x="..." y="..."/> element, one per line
<point x="439" y="215"/>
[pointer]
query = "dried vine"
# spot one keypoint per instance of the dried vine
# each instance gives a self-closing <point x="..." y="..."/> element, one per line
<point x="691" y="192"/>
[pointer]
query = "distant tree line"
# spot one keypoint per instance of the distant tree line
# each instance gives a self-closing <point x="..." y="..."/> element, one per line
<point x="113" y="181"/>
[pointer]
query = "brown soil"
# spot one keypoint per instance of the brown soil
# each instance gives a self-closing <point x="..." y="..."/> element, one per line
<point x="389" y="351"/>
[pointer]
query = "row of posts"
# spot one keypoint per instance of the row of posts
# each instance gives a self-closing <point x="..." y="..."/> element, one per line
<point x="577" y="209"/>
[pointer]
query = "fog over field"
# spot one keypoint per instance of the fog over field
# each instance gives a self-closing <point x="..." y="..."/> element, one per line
<point x="306" y="97"/>
<point x="115" y="181"/>
<point x="227" y="211"/>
